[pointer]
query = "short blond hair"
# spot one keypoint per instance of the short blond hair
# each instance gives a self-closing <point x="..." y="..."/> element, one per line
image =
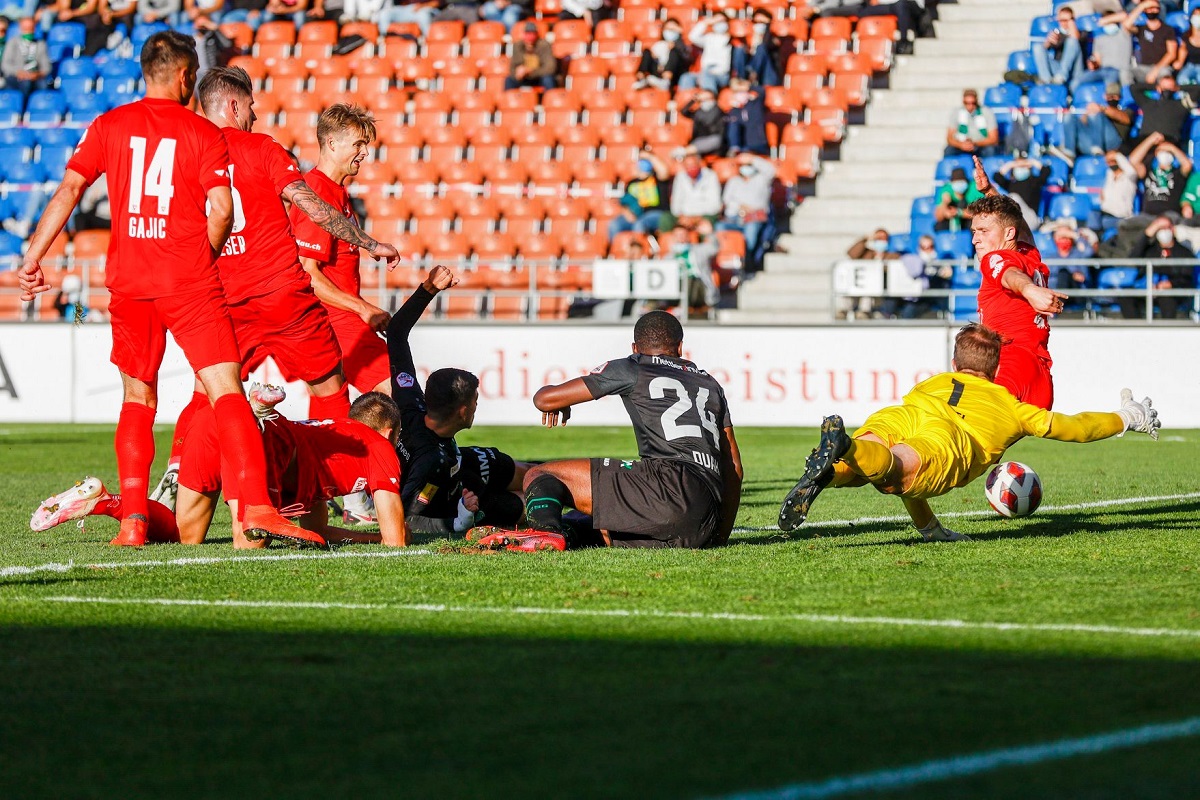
<point x="341" y="117"/>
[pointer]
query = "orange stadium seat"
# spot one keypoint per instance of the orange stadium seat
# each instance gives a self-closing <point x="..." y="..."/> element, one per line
<point x="487" y="156"/>
<point x="802" y="159"/>
<point x="398" y="137"/>
<point x="417" y="177"/>
<point x="495" y="246"/>
<point x="298" y="107"/>
<point x="397" y="50"/>
<point x="276" y="31"/>
<point x="385" y="206"/>
<point x="587" y="65"/>
<point x="854" y="86"/>
<point x="418" y="72"/>
<point x="522" y="227"/>
<point x="850" y="62"/>
<point x="876" y="28"/>
<point x="879" y="51"/>
<point x="255" y="68"/>
<point x="330" y="89"/>
<point x="620" y="65"/>
<point x="801" y="87"/>
<point x="807" y="62"/>
<point x="446" y="31"/>
<point x="828" y="45"/>
<point x="90" y="247"/>
<point x="486" y="39"/>
<point x="478" y="231"/>
<point x="407" y="31"/>
<point x="445" y="145"/>
<point x="539" y="251"/>
<point x="657" y="99"/>
<point x="431" y="110"/>
<point x="316" y="39"/>
<point x="240" y="33"/>
<point x="504" y="175"/>
<point x="550" y="173"/>
<point x="579" y="246"/>
<point x="548" y="8"/>
<point x="376" y="173"/>
<point x="462" y="174"/>
<point x="830" y="27"/>
<point x="604" y="205"/>
<point x="577" y="145"/>
<point x="405" y="276"/>
<point x="621" y="242"/>
<point x="363" y="28"/>
<point x="665" y="138"/>
<point x="447" y="247"/>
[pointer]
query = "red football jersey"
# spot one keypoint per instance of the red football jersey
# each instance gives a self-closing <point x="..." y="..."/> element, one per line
<point x="260" y="256"/>
<point x="1007" y="312"/>
<point x="338" y="259"/>
<point x="161" y="160"/>
<point x="334" y="457"/>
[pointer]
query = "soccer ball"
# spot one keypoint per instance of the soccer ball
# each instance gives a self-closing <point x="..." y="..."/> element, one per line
<point x="1013" y="489"/>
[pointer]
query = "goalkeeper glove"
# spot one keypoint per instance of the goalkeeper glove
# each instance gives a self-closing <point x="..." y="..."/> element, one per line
<point x="934" y="532"/>
<point x="1137" y="416"/>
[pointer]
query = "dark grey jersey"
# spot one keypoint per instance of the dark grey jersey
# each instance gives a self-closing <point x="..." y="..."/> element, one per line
<point x="678" y="410"/>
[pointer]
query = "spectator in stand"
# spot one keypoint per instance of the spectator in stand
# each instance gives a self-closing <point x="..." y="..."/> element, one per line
<point x="951" y="212"/>
<point x="1158" y="241"/>
<point x="1071" y="245"/>
<point x="1165" y="110"/>
<point x="168" y="11"/>
<point x="467" y="11"/>
<point x="119" y="12"/>
<point x="294" y="10"/>
<point x="354" y="10"/>
<point x="906" y="13"/>
<point x="400" y="11"/>
<point x="708" y="124"/>
<point x="1120" y="189"/>
<point x="86" y="12"/>
<point x="746" y="123"/>
<point x="26" y="63"/>
<point x="590" y="11"/>
<point x="716" y="55"/>
<point x="695" y="196"/>
<point x="696" y="254"/>
<point x="1164" y="181"/>
<point x="873" y="247"/>
<point x="1187" y="63"/>
<point x="247" y="11"/>
<point x="1190" y="202"/>
<point x="645" y="198"/>
<point x="1112" y="55"/>
<point x="1157" y="45"/>
<point x="506" y="12"/>
<point x="747" y="206"/>
<point x="664" y="61"/>
<point x="1097" y="130"/>
<point x="93" y="213"/>
<point x="972" y="130"/>
<point x="1024" y="179"/>
<point x="1059" y="57"/>
<point x="757" y="59"/>
<point x="533" y="62"/>
<point x="934" y="275"/>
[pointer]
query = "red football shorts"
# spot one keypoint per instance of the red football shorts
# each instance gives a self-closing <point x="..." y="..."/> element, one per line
<point x="200" y="458"/>
<point x="199" y="321"/>
<point x="364" y="354"/>
<point x="291" y="326"/>
<point x="1026" y="376"/>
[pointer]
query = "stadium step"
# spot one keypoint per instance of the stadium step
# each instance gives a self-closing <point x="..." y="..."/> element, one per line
<point x="859" y="171"/>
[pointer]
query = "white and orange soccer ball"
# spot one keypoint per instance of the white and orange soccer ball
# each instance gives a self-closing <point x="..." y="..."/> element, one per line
<point x="1013" y="489"/>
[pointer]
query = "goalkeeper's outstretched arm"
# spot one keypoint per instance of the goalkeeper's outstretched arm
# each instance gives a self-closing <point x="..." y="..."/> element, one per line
<point x="1092" y="426"/>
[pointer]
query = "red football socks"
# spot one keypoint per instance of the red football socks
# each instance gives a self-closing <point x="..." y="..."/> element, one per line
<point x="135" y="453"/>
<point x="162" y="526"/>
<point x="199" y="401"/>
<point x="241" y="446"/>
<point x="331" y="406"/>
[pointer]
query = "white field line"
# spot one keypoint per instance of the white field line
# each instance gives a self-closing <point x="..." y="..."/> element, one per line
<point x="966" y="766"/>
<point x="17" y="570"/>
<point x="815" y="619"/>
<point x="1120" y="501"/>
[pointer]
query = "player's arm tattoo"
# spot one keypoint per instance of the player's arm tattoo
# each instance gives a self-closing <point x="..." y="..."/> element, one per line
<point x="327" y="217"/>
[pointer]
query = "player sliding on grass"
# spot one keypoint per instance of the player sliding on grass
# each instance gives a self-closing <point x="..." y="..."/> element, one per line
<point x="307" y="463"/>
<point x="445" y="488"/>
<point x="948" y="431"/>
<point x="685" y="490"/>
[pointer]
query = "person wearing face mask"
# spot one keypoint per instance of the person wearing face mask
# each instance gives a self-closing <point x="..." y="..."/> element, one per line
<point x="1164" y="178"/>
<point x="716" y="55"/>
<point x="951" y="213"/>
<point x="708" y="124"/>
<point x="1187" y="63"/>
<point x="1111" y="59"/>
<point x="1165" y="110"/>
<point x="1157" y="44"/>
<point x="757" y="59"/>
<point x="26" y="62"/>
<point x="533" y="62"/>
<point x="1097" y="130"/>
<point x="972" y="130"/>
<point x="695" y="196"/>
<point x="1119" y="191"/>
<point x="747" y="206"/>
<point x="645" y="198"/>
<point x="1159" y="241"/>
<point x="1059" y="57"/>
<point x="746" y="123"/>
<point x="1072" y="245"/>
<point x="1024" y="179"/>
<point x="664" y="61"/>
<point x="873" y="247"/>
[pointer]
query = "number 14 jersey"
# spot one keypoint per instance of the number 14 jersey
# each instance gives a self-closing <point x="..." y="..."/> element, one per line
<point x="678" y="410"/>
<point x="161" y="160"/>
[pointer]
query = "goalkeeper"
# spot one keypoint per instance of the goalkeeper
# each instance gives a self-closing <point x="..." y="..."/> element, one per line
<point x="948" y="431"/>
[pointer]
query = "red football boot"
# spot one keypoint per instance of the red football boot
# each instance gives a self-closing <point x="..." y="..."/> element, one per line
<point x="133" y="532"/>
<point x="264" y="522"/>
<point x="525" y="540"/>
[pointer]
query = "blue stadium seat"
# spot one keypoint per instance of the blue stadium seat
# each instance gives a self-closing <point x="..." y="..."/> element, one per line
<point x="17" y="137"/>
<point x="19" y="202"/>
<point x="65" y="39"/>
<point x="1088" y="93"/>
<point x="1048" y="129"/>
<point x="1088" y="22"/>
<point x="54" y="161"/>
<point x="75" y="85"/>
<point x="900" y="243"/>
<point x="1089" y="173"/>
<point x="143" y="31"/>
<point x="59" y="137"/>
<point x="12" y="103"/>
<point x="120" y="73"/>
<point x="921" y="225"/>
<point x="10" y="245"/>
<point x="1040" y="26"/>
<point x="1004" y="96"/>
<point x="1179" y="21"/>
<point x="13" y="155"/>
<point x="1044" y="242"/>
<point x="121" y="95"/>
<point x="1118" y="277"/>
<point x="954" y="244"/>
<point x="1060" y="171"/>
<point x="45" y="106"/>
<point x="949" y="164"/>
<point x="1069" y="204"/>
<point x="1022" y="61"/>
<point x="992" y="164"/>
<point x="1048" y="97"/>
<point x="76" y="68"/>
<point x="965" y="306"/>
<point x="86" y="107"/>
<point x="24" y="172"/>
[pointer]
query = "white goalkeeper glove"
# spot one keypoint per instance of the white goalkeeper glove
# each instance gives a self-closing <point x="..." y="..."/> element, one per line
<point x="465" y="519"/>
<point x="1139" y="417"/>
<point x="935" y="532"/>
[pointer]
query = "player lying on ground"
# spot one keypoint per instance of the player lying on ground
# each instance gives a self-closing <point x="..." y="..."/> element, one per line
<point x="307" y="463"/>
<point x="172" y="210"/>
<point x="685" y="489"/>
<point x="949" y="430"/>
<point x="271" y="301"/>
<point x="446" y="489"/>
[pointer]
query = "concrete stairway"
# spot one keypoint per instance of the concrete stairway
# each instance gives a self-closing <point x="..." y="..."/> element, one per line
<point x="887" y="162"/>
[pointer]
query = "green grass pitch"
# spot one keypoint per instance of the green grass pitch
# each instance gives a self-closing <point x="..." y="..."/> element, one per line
<point x="602" y="674"/>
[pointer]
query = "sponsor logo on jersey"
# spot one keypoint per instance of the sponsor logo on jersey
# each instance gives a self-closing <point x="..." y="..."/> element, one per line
<point x="996" y="264"/>
<point x="220" y="172"/>
<point x="309" y="245"/>
<point x="359" y="485"/>
<point x="426" y="495"/>
<point x="405" y="381"/>
<point x="599" y="369"/>
<point x="626" y="465"/>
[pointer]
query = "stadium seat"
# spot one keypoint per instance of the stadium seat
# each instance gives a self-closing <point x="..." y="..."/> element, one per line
<point x="1070" y="205"/>
<point x="45" y="107"/>
<point x="1021" y="61"/>
<point x="18" y="137"/>
<point x="12" y="103"/>
<point x="65" y="38"/>
<point x="949" y="164"/>
<point x="59" y="137"/>
<point x="965" y="306"/>
<point x="830" y="27"/>
<point x="954" y="244"/>
<point x="1039" y="27"/>
<point x="1088" y="93"/>
<point x="76" y="68"/>
<point x="1089" y="173"/>
<point x="120" y="72"/>
<point x="901" y="243"/>
<point x="85" y="107"/>
<point x="1048" y="98"/>
<point x="1003" y="97"/>
<point x="143" y="31"/>
<point x="1118" y="277"/>
<point x="921" y="216"/>
<point x="54" y="161"/>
